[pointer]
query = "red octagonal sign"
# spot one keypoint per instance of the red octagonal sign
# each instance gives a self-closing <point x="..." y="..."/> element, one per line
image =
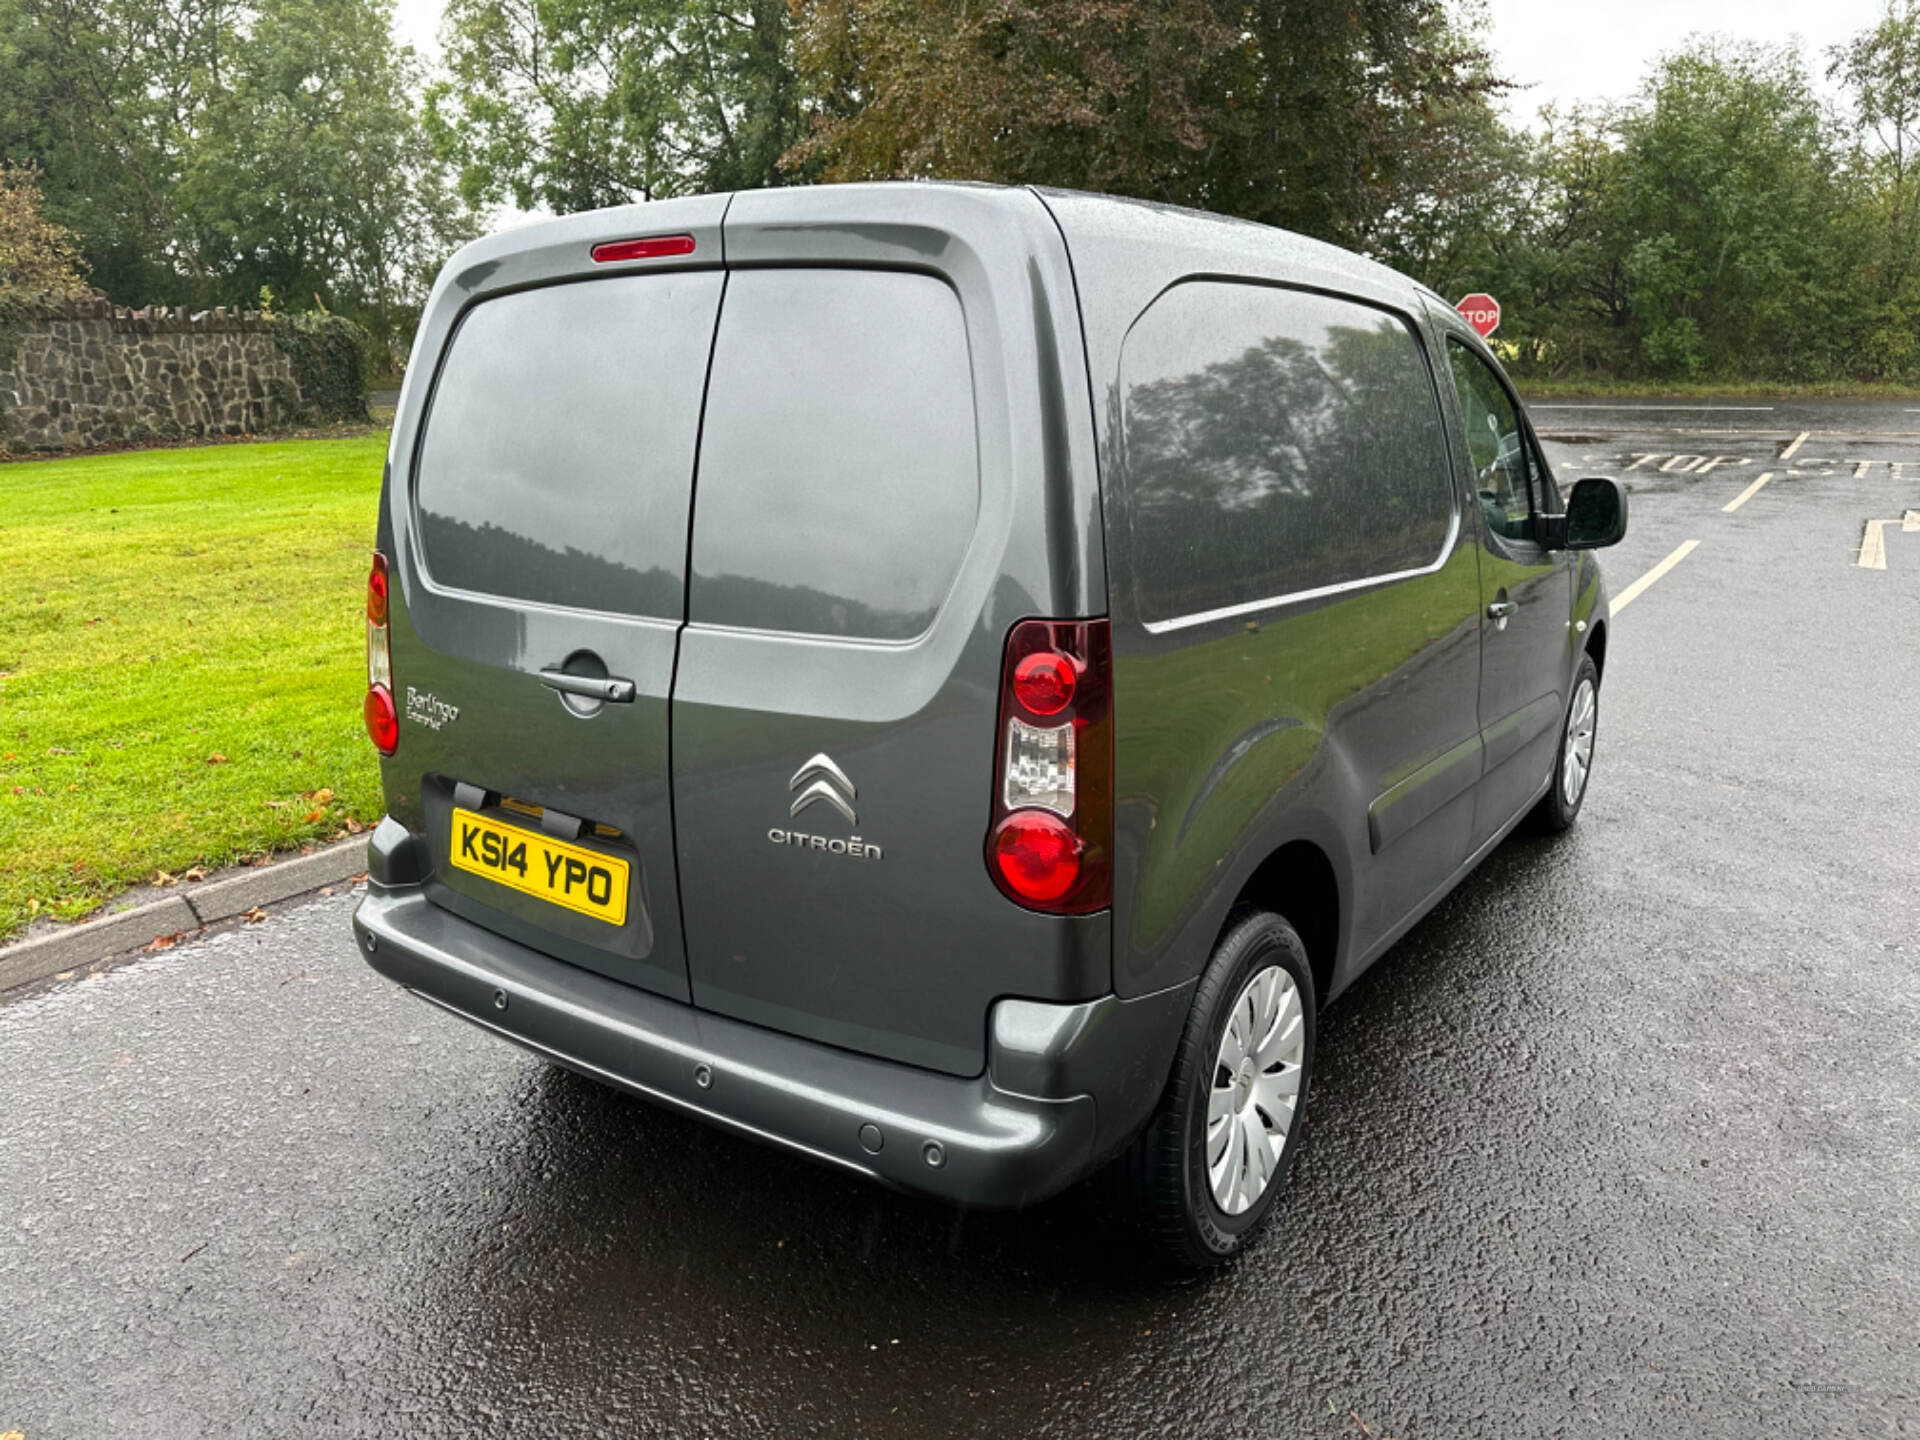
<point x="1482" y="312"/>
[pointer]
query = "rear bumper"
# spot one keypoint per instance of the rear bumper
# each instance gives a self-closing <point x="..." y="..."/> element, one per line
<point x="1065" y="1086"/>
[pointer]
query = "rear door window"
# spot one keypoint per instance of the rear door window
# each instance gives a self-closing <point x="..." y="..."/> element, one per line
<point x="558" y="455"/>
<point x="1276" y="442"/>
<point x="839" y="472"/>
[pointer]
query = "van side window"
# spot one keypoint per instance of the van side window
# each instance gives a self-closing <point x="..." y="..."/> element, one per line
<point x="839" y="472"/>
<point x="1276" y="442"/>
<point x="558" y="451"/>
<point x="1495" y="445"/>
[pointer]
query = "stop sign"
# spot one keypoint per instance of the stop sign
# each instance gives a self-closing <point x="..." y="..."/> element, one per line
<point x="1482" y="312"/>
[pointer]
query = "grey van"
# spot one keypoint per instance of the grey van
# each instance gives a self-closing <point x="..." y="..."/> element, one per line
<point x="951" y="680"/>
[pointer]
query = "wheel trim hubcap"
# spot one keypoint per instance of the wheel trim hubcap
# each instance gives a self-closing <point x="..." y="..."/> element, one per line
<point x="1579" y="746"/>
<point x="1255" y="1089"/>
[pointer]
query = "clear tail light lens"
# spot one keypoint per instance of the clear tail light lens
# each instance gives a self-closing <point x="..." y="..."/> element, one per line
<point x="1051" y="843"/>
<point x="1039" y="767"/>
<point x="382" y="718"/>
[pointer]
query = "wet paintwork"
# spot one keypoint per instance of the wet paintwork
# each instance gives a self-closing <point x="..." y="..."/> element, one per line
<point x="1620" y="1141"/>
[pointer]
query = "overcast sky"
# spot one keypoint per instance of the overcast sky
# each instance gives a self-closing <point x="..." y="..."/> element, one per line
<point x="1594" y="50"/>
<point x="1569" y="53"/>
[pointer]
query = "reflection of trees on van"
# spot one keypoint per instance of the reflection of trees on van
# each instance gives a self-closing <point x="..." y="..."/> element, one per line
<point x="491" y="560"/>
<point x="1296" y="445"/>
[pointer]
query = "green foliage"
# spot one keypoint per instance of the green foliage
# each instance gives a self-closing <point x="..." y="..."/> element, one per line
<point x="329" y="355"/>
<point x="203" y="148"/>
<point x="1327" y="119"/>
<point x="573" y="104"/>
<point x="1720" y="224"/>
<point x="37" y="256"/>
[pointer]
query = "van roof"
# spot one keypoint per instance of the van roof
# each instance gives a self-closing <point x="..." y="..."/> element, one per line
<point x="1200" y="238"/>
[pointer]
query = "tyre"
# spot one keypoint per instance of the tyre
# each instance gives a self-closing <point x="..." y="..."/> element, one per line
<point x="1573" y="761"/>
<point x="1219" y="1150"/>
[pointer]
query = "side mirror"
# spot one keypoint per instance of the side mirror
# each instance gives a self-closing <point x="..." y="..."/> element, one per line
<point x="1596" y="516"/>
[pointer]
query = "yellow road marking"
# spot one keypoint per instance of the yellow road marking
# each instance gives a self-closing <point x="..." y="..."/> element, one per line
<point x="1873" y="548"/>
<point x="1745" y="495"/>
<point x="1638" y="587"/>
<point x="1788" y="453"/>
<point x="1873" y="545"/>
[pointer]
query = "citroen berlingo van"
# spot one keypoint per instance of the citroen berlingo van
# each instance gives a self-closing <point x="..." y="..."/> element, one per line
<point x="951" y="680"/>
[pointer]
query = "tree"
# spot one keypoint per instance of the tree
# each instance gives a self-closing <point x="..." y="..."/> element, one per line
<point x="572" y="104"/>
<point x="36" y="255"/>
<point x="105" y="96"/>
<point x="313" y="176"/>
<point x="1880" y="69"/>
<point x="1098" y="96"/>
<point x="1313" y="116"/>
<point x="1739" y="258"/>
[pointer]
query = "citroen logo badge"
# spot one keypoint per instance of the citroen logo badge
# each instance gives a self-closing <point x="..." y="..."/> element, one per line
<point x="820" y="781"/>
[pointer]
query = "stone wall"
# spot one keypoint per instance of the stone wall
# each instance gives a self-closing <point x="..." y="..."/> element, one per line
<point x="76" y="373"/>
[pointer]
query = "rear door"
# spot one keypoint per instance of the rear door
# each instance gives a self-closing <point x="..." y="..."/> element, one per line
<point x="547" y="515"/>
<point x="895" y="468"/>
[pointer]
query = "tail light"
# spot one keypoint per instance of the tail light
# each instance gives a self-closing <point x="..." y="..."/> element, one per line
<point x="383" y="720"/>
<point x="1051" y="845"/>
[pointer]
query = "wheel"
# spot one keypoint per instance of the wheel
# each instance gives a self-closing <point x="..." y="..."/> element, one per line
<point x="1209" y="1165"/>
<point x="1573" y="762"/>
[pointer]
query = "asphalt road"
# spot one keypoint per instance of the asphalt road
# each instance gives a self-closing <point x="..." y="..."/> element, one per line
<point x="1622" y="1140"/>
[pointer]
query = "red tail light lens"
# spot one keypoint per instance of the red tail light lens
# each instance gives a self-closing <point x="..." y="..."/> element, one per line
<point x="383" y="721"/>
<point x="377" y="590"/>
<point x="1037" y="855"/>
<point x="653" y="247"/>
<point x="1043" y="683"/>
<point x="1051" y="843"/>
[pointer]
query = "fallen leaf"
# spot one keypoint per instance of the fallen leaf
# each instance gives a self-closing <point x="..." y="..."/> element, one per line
<point x="58" y="750"/>
<point x="165" y="942"/>
<point x="326" y="889"/>
<point x="216" y="758"/>
<point x="359" y="879"/>
<point x="161" y="879"/>
<point x="260" y="862"/>
<point x="13" y="755"/>
<point x="254" y="916"/>
<point x="354" y="827"/>
<point x="279" y="804"/>
<point x="318" y="797"/>
<point x="313" y="815"/>
<point x="306" y="849"/>
<point x="195" y="873"/>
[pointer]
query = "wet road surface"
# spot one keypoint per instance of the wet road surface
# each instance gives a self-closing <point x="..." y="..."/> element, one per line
<point x="1622" y="1140"/>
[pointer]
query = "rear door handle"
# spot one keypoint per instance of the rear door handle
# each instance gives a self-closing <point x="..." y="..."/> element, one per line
<point x="593" y="687"/>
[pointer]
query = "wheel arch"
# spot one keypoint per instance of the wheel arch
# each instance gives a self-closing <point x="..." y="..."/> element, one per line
<point x="1299" y="883"/>
<point x="1597" y="647"/>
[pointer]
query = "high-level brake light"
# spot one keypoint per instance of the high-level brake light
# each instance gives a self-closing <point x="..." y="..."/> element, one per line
<point x="1051" y="843"/>
<point x="653" y="247"/>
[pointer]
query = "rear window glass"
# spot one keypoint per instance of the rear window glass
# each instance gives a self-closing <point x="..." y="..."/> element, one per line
<point x="558" y="457"/>
<point x="1276" y="442"/>
<point x="839" y="478"/>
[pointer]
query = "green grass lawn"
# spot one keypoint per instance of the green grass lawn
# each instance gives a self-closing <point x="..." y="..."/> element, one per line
<point x="181" y="663"/>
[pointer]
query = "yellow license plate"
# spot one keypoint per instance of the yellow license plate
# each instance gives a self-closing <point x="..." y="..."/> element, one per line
<point x="538" y="865"/>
